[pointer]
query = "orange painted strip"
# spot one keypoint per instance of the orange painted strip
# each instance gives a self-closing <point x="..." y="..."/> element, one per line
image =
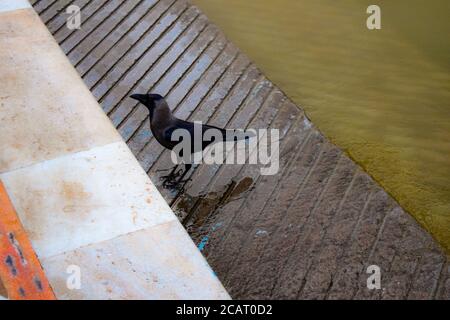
<point x="20" y="269"/>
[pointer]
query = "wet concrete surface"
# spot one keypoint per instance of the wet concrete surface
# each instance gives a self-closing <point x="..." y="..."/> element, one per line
<point x="309" y="231"/>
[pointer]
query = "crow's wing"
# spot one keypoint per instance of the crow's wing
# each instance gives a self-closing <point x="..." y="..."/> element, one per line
<point x="226" y="135"/>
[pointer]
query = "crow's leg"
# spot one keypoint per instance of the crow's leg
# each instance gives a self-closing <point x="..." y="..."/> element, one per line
<point x="171" y="180"/>
<point x="183" y="173"/>
<point x="187" y="167"/>
<point x="168" y="169"/>
<point x="174" y="180"/>
<point x="182" y="180"/>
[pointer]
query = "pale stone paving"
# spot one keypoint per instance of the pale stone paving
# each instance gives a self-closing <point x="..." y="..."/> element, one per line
<point x="309" y="232"/>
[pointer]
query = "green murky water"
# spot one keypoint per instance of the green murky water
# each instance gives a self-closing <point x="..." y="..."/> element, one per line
<point x="382" y="95"/>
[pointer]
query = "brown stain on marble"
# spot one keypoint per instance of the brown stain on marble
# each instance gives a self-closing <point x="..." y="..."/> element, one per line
<point x="74" y="196"/>
<point x="74" y="191"/>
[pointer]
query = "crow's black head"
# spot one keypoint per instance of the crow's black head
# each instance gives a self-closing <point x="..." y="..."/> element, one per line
<point x="149" y="100"/>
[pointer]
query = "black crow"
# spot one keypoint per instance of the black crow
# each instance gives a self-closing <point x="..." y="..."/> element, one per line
<point x="163" y="124"/>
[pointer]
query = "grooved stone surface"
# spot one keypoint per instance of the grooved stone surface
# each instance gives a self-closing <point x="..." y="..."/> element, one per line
<point x="308" y="232"/>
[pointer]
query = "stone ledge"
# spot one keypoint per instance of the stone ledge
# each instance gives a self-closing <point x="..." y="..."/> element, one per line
<point x="77" y="188"/>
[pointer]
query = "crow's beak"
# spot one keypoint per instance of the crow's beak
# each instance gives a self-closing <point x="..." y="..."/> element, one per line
<point x="142" y="98"/>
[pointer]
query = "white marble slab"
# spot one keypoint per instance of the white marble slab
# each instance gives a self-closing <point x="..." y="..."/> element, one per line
<point x="79" y="192"/>
<point x="10" y="5"/>
<point x="46" y="111"/>
<point x="83" y="198"/>
<point x="160" y="262"/>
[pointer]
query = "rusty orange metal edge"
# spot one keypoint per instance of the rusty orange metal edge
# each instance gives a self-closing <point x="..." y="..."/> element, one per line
<point x="20" y="270"/>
